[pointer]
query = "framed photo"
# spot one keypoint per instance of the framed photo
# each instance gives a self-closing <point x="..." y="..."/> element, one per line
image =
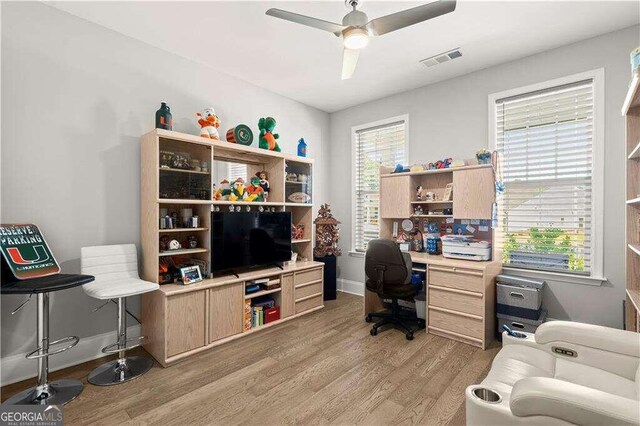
<point x="448" y="192"/>
<point x="190" y="275"/>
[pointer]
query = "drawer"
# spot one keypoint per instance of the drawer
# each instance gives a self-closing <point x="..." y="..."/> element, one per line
<point x="518" y="296"/>
<point x="308" y="289"/>
<point x="456" y="301"/>
<point x="310" y="275"/>
<point x="460" y="278"/>
<point x="308" y="303"/>
<point x="456" y="323"/>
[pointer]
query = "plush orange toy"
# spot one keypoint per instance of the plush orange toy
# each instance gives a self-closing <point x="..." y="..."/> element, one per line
<point x="209" y="123"/>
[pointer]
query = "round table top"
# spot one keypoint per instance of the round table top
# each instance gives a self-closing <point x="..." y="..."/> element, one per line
<point x="45" y="284"/>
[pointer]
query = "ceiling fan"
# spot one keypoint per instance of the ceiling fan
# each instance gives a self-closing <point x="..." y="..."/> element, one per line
<point x="356" y="27"/>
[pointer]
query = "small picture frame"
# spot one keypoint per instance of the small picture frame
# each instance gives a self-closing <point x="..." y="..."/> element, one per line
<point x="190" y="274"/>
<point x="448" y="192"/>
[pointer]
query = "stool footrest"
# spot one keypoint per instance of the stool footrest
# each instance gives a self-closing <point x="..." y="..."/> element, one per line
<point x="113" y="348"/>
<point x="37" y="353"/>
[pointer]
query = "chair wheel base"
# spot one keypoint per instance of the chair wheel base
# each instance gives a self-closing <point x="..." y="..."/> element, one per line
<point x="54" y="393"/>
<point x="120" y="371"/>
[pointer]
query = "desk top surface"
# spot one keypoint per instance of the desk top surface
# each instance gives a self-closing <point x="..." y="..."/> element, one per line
<point x="439" y="260"/>
<point x="171" y="289"/>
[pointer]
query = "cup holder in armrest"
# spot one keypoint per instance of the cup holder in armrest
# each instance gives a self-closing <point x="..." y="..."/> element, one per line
<point x="487" y="395"/>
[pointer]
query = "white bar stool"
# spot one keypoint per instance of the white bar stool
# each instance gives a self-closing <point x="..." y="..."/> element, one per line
<point x="116" y="277"/>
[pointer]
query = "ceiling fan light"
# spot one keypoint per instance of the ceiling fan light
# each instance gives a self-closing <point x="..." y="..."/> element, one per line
<point x="356" y="38"/>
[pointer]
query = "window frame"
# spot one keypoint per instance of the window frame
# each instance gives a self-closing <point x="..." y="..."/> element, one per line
<point x="379" y="123"/>
<point x="596" y="275"/>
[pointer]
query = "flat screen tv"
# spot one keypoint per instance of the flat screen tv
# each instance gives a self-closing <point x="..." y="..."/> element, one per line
<point x="243" y="240"/>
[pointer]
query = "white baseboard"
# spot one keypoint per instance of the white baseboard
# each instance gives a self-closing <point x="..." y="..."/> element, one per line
<point x="16" y="368"/>
<point x="352" y="287"/>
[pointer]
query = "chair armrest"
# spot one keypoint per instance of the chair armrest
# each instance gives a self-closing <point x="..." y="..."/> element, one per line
<point x="593" y="336"/>
<point x="542" y="396"/>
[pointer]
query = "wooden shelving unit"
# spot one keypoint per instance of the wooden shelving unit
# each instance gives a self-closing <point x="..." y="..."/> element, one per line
<point x="256" y="159"/>
<point x="183" y="320"/>
<point x="631" y="111"/>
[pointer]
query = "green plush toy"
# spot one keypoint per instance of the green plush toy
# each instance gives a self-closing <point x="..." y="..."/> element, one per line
<point x="267" y="137"/>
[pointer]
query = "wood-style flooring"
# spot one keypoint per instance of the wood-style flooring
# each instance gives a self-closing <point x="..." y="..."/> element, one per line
<point x="323" y="368"/>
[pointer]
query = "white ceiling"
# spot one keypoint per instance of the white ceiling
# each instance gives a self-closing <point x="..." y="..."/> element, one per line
<point x="304" y="64"/>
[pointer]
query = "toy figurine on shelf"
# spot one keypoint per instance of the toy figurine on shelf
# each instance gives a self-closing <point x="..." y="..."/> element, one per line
<point x="255" y="191"/>
<point x="418" y="211"/>
<point x="223" y="192"/>
<point x="419" y="193"/>
<point x="264" y="183"/>
<point x="238" y="192"/>
<point x="302" y="148"/>
<point x="209" y="123"/>
<point x="267" y="137"/>
<point x="483" y="156"/>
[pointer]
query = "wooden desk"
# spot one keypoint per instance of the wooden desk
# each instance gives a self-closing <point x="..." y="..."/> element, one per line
<point x="461" y="298"/>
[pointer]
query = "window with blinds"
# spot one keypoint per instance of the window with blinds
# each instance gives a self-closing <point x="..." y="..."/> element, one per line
<point x="237" y="170"/>
<point x="374" y="146"/>
<point x="545" y="145"/>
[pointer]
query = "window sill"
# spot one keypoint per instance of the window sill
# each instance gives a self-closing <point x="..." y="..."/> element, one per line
<point x="354" y="253"/>
<point x="556" y="276"/>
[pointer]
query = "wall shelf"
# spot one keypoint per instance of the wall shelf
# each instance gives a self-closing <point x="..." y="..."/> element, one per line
<point x="246" y="203"/>
<point x="184" y="201"/>
<point x="173" y="230"/>
<point x="300" y="241"/>
<point x="432" y="202"/>
<point x="421" y="216"/>
<point x="261" y="293"/>
<point x="634" y="201"/>
<point x="169" y="169"/>
<point x="632" y="99"/>
<point x="182" y="252"/>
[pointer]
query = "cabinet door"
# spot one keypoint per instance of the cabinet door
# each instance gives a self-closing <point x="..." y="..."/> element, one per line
<point x="226" y="309"/>
<point x="395" y="197"/>
<point x="185" y="322"/>
<point x="473" y="193"/>
<point x="286" y="308"/>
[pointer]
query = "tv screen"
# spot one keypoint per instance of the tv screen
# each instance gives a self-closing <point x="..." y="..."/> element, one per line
<point x="241" y="240"/>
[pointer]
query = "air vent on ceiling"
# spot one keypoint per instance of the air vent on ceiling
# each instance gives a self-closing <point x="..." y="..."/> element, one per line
<point x="441" y="58"/>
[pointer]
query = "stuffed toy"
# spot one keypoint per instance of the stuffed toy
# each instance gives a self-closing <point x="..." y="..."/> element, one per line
<point x="209" y="123"/>
<point x="267" y="137"/>
<point x="223" y="192"/>
<point x="255" y="190"/>
<point x="238" y="192"/>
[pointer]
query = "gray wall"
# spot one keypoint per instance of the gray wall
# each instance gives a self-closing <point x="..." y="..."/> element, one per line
<point x="76" y="98"/>
<point x="450" y="119"/>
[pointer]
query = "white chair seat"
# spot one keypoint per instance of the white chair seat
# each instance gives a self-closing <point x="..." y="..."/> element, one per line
<point x="116" y="272"/>
<point x="113" y="289"/>
<point x="516" y="362"/>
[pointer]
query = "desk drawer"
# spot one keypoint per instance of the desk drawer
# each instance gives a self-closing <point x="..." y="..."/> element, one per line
<point x="304" y="290"/>
<point x="456" y="300"/>
<point x="460" y="278"/>
<point x="456" y="323"/>
<point x="310" y="275"/>
<point x="307" y="303"/>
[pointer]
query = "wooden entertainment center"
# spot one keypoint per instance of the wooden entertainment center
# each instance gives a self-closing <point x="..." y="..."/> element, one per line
<point x="181" y="320"/>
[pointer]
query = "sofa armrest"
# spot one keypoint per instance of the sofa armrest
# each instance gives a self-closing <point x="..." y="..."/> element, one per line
<point x="542" y="396"/>
<point x="593" y="336"/>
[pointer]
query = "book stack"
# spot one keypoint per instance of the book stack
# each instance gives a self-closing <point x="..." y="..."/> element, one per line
<point x="257" y="308"/>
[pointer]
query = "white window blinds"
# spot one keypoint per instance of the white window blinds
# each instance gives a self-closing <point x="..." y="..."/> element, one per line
<point x="375" y="146"/>
<point x="545" y="142"/>
<point x="237" y="170"/>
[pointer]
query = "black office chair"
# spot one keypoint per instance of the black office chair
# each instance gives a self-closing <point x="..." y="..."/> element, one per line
<point x="388" y="273"/>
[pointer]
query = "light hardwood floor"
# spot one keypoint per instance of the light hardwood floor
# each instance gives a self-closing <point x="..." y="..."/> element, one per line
<point x="319" y="369"/>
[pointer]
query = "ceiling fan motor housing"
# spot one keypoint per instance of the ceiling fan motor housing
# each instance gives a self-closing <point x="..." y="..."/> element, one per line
<point x="355" y="18"/>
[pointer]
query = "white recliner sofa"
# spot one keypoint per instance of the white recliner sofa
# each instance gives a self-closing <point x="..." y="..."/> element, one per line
<point x="567" y="373"/>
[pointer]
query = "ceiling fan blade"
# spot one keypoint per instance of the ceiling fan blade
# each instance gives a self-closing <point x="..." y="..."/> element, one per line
<point x="395" y="21"/>
<point x="307" y="20"/>
<point x="349" y="62"/>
